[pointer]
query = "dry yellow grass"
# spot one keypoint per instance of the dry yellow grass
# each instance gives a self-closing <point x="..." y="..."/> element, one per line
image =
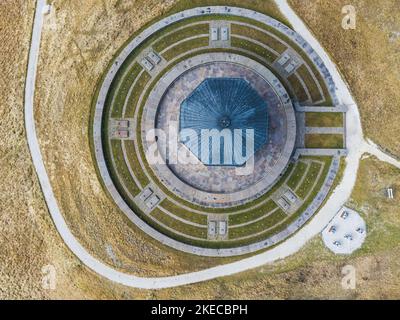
<point x="368" y="57"/>
<point x="23" y="250"/>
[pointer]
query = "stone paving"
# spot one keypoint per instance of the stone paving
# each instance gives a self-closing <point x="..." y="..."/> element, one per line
<point x="288" y="58"/>
<point x="324" y="130"/>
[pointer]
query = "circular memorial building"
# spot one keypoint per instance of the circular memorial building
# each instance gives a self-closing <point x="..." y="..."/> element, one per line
<point x="217" y="131"/>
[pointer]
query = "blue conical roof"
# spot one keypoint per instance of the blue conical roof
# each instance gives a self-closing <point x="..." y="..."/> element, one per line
<point x="231" y="106"/>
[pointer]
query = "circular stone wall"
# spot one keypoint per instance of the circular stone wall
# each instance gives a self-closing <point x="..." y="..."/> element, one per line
<point x="213" y="210"/>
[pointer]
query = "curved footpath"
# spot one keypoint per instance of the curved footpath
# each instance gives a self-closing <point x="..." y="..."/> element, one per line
<point x="292" y="245"/>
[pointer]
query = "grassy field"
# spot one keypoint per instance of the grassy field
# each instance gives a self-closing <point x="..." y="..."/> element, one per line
<point x="122" y="169"/>
<point x="135" y="95"/>
<point x="179" y="226"/>
<point x="135" y="164"/>
<point x="123" y="89"/>
<point x="267" y="7"/>
<point x="247" y="216"/>
<point x="27" y="237"/>
<point x="184" y="214"/>
<point x="255" y="48"/>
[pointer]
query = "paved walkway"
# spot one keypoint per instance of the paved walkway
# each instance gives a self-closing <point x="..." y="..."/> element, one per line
<point x="292" y="245"/>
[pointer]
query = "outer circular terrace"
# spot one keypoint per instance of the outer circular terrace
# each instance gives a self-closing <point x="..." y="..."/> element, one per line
<point x="159" y="199"/>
